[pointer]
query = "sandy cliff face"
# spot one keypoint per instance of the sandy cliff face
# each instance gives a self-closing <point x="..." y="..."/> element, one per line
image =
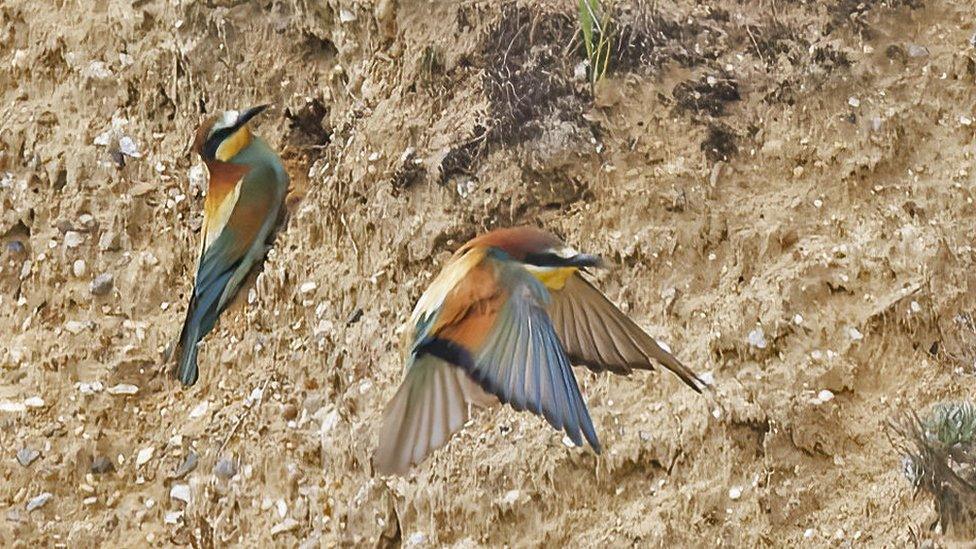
<point x="785" y="191"/>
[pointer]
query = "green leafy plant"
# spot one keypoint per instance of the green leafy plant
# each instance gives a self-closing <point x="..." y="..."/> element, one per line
<point x="939" y="457"/>
<point x="595" y="24"/>
<point x="952" y="424"/>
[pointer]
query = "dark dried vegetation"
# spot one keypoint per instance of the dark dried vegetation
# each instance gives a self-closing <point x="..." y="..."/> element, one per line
<point x="646" y="39"/>
<point x="720" y="142"/>
<point x="704" y="96"/>
<point x="525" y="80"/>
<point x="939" y="458"/>
<point x="308" y="128"/>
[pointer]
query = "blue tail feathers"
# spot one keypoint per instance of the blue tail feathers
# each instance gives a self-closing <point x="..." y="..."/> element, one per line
<point x="200" y="320"/>
<point x="186" y="369"/>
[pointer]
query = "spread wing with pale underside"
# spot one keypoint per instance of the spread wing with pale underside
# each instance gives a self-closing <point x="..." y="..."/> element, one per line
<point x="598" y="335"/>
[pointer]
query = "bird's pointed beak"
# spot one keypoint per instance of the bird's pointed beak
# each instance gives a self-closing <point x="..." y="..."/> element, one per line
<point x="247" y="115"/>
<point x="588" y="260"/>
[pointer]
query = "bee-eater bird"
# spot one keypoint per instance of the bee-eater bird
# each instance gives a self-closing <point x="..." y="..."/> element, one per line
<point x="246" y="189"/>
<point x="507" y="316"/>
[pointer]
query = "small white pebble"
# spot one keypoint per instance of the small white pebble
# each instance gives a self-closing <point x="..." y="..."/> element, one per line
<point x="307" y="287"/>
<point x="579" y="71"/>
<point x="854" y="102"/>
<point x="73" y="239"/>
<point x="90" y="388"/>
<point x="123" y="389"/>
<point x="199" y="409"/>
<point x="511" y="497"/>
<point x="128" y="147"/>
<point x="915" y="307"/>
<point x="79" y="268"/>
<point x="818" y="203"/>
<point x="825" y="395"/>
<point x="144" y="455"/>
<point x="286" y="525"/>
<point x="180" y="492"/>
<point x="39" y="501"/>
<point x="757" y="338"/>
<point x="797" y="319"/>
<point x="708" y="378"/>
<point x="965" y="120"/>
<point x="34" y="402"/>
<point x="282" y="508"/>
<point x="808" y="533"/>
<point x="855" y="334"/>
<point x="735" y="493"/>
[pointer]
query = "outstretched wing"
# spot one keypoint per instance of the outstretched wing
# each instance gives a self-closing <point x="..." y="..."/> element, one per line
<point x="523" y="363"/>
<point x="431" y="405"/>
<point x="598" y="335"/>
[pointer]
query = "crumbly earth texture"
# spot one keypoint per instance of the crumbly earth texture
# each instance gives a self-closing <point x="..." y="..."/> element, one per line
<point x="784" y="191"/>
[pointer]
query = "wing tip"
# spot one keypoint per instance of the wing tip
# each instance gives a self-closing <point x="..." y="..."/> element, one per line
<point x="684" y="373"/>
<point x="386" y="467"/>
<point x="428" y="409"/>
<point x="695" y="383"/>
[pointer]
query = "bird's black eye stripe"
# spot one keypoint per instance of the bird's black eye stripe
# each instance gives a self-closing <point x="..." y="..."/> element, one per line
<point x="214" y="141"/>
<point x="547" y="259"/>
<point x="550" y="259"/>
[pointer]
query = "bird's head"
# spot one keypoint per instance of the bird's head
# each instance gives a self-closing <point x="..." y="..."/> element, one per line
<point x="223" y="135"/>
<point x="536" y="248"/>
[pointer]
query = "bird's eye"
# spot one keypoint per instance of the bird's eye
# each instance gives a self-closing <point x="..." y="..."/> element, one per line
<point x="214" y="141"/>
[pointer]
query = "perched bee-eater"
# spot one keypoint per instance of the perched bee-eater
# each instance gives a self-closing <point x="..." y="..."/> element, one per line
<point x="505" y="318"/>
<point x="246" y="189"/>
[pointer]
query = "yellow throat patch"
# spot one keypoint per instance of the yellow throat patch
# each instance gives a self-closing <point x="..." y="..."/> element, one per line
<point x="233" y="144"/>
<point x="553" y="278"/>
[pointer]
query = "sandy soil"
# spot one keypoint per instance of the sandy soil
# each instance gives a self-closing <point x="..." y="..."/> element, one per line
<point x="785" y="190"/>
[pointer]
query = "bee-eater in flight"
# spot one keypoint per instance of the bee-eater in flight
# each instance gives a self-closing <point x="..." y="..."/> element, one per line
<point x="505" y="319"/>
<point x="245" y="192"/>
